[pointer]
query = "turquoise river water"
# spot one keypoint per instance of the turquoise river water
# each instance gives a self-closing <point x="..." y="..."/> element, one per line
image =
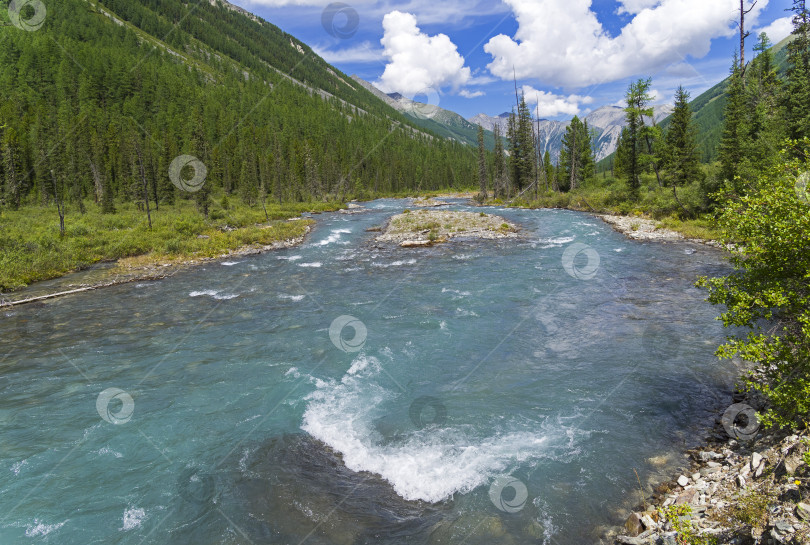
<point x="348" y="392"/>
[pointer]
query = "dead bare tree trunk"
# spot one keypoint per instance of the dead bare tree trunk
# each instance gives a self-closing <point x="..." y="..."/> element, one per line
<point x="744" y="34"/>
<point x="97" y="182"/>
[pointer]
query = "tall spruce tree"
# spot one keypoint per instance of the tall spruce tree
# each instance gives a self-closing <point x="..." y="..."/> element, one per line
<point x="500" y="182"/>
<point x="797" y="88"/>
<point x="522" y="161"/>
<point x="734" y="120"/>
<point x="549" y="168"/>
<point x="679" y="156"/>
<point x="631" y="159"/>
<point x="576" y="156"/>
<point x="482" y="165"/>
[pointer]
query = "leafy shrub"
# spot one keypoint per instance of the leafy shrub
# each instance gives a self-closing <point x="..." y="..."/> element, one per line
<point x="680" y="518"/>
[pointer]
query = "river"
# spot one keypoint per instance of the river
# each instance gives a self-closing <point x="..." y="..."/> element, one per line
<point x="346" y="392"/>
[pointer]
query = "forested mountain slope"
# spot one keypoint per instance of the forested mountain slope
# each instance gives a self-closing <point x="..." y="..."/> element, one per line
<point x="106" y="94"/>
<point x="708" y="109"/>
<point x="443" y="122"/>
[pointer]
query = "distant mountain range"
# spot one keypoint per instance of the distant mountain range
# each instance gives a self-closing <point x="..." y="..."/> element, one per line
<point x="431" y="117"/>
<point x="606" y="122"/>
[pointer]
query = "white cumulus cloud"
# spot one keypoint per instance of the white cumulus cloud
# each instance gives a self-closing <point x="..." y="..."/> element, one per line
<point x="550" y="105"/>
<point x="471" y="94"/>
<point x="778" y="30"/>
<point x="636" y="6"/>
<point x="562" y="43"/>
<point x="416" y="61"/>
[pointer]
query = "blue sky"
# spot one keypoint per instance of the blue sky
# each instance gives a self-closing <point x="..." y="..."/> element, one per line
<point x="570" y="56"/>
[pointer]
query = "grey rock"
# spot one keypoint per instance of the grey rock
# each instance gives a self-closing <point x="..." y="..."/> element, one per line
<point x="687" y="497"/>
<point x="707" y="455"/>
<point x="713" y="464"/>
<point x="633" y="526"/>
<point x="709" y="470"/>
<point x="756" y="459"/>
<point x="696" y="477"/>
<point x="683" y="480"/>
<point x="668" y="539"/>
<point x="629" y="540"/>
<point x="783" y="527"/>
<point x="803" y="511"/>
<point x="740" y="481"/>
<point x="792" y="463"/>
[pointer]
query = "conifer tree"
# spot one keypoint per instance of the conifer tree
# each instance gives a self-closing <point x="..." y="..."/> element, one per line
<point x="482" y="165"/>
<point x="499" y="185"/>
<point x="733" y="127"/>
<point x="576" y="156"/>
<point x="522" y="159"/>
<point x="797" y="87"/>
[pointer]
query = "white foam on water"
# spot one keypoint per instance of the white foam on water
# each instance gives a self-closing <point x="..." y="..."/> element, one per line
<point x="618" y="250"/>
<point x="334" y="236"/>
<point x="16" y="467"/>
<point x="314" y="265"/>
<point x="133" y="517"/>
<point x="294" y="298"/>
<point x="38" y="528"/>
<point x="231" y="263"/>
<point x="394" y="263"/>
<point x="215" y="294"/>
<point x="458" y="294"/>
<point x="108" y="451"/>
<point x="290" y="257"/>
<point x="555" y="241"/>
<point x="431" y="464"/>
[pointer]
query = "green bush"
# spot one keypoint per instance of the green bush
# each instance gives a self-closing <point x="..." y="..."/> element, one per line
<point x="768" y="291"/>
<point x="680" y="516"/>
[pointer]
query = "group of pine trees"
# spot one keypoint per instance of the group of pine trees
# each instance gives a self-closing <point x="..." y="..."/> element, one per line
<point x="762" y="110"/>
<point x="527" y="166"/>
<point x="95" y="111"/>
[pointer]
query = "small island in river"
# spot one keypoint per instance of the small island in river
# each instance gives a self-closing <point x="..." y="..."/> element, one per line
<point x="426" y="227"/>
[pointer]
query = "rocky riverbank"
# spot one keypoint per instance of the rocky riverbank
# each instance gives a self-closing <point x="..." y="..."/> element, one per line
<point x="426" y="227"/>
<point x="748" y="490"/>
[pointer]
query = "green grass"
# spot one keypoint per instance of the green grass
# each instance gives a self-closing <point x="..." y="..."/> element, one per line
<point x="608" y="196"/>
<point x="31" y="248"/>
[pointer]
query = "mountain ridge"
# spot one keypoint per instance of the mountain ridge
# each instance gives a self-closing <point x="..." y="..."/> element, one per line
<point x="606" y="121"/>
